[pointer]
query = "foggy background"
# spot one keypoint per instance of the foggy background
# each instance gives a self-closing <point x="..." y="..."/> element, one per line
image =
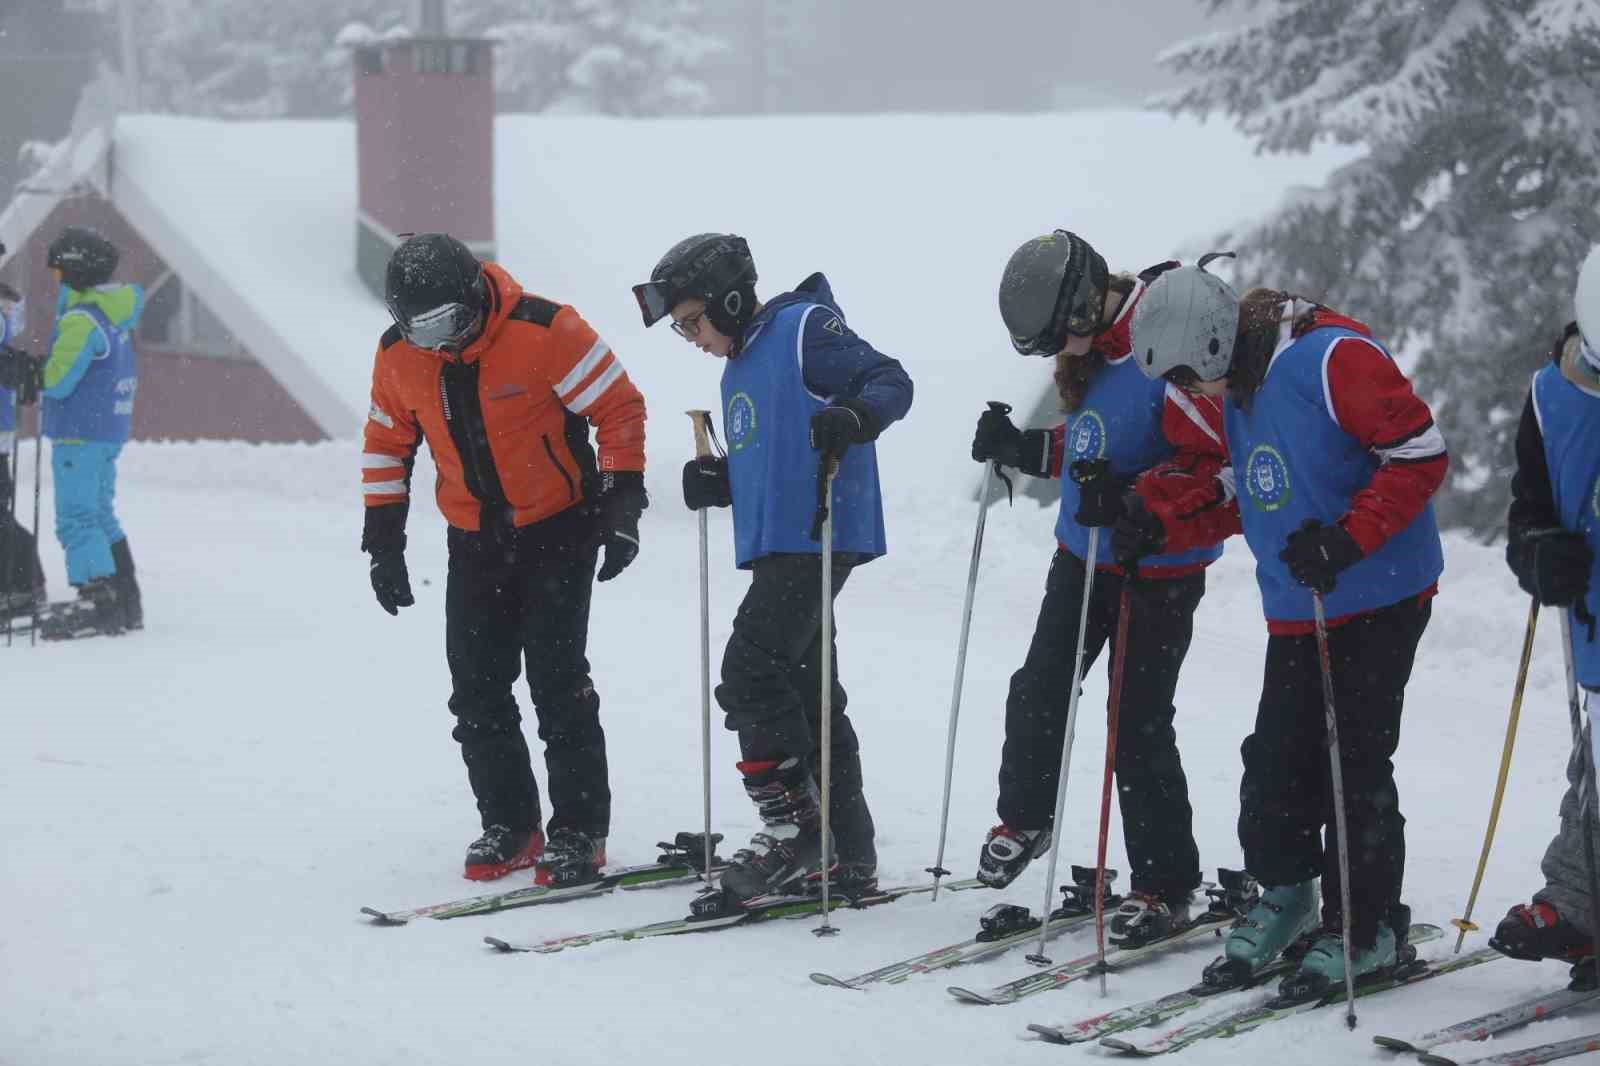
<point x="747" y="56"/>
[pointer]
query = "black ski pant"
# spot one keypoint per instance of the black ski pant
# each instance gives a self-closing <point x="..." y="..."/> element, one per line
<point x="518" y="596"/>
<point x="1286" y="799"/>
<point x="20" y="571"/>
<point x="771" y="688"/>
<point x="1157" y="821"/>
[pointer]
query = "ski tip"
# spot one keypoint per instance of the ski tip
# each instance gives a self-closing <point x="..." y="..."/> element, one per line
<point x="1394" y="1043"/>
<point x="381" y="917"/>
<point x="498" y="944"/>
<point x="1048" y="1032"/>
<point x="967" y="995"/>
<point x="830" y="981"/>
<point x="1436" y="1060"/>
<point x="1114" y="1043"/>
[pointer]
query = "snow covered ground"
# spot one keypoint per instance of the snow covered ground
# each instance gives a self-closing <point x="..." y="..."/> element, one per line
<point x="192" y="815"/>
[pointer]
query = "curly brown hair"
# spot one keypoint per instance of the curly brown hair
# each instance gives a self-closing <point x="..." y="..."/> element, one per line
<point x="1260" y="314"/>
<point x="1074" y="373"/>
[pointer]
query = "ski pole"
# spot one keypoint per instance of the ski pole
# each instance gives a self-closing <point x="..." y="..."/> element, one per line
<point x="1336" y="775"/>
<point x="38" y="467"/>
<point x="1586" y="766"/>
<point x="703" y="450"/>
<point x="1465" y="922"/>
<point x="829" y="469"/>
<point x="985" y="491"/>
<point x="1039" y="958"/>
<point x="13" y="470"/>
<point x="1119" y="660"/>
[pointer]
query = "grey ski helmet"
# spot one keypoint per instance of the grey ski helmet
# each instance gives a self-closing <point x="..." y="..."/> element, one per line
<point x="1586" y="300"/>
<point x="1185" y="325"/>
<point x="83" y="256"/>
<point x="1054" y="287"/>
<point x="717" y="268"/>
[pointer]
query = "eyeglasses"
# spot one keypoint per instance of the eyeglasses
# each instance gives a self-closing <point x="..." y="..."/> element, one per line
<point x="688" y="327"/>
<point x="445" y="328"/>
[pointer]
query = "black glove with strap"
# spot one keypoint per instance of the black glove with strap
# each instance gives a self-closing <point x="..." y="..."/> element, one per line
<point x="1137" y="533"/>
<point x="23" y="373"/>
<point x="618" y="506"/>
<point x="997" y="440"/>
<point x="1316" y="554"/>
<point x="841" y="424"/>
<point x="1099" y="493"/>
<point x="1552" y="564"/>
<point x="391" y="583"/>
<point x="706" y="484"/>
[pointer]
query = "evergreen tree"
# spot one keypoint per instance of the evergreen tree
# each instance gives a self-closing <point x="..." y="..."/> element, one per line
<point x="1458" y="234"/>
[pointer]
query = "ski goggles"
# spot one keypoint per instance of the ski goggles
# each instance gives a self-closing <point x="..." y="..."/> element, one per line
<point x="1074" y="310"/>
<point x="448" y="327"/>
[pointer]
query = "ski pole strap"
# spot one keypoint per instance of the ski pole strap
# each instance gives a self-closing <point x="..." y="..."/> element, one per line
<point x="826" y="468"/>
<point x="1011" y="498"/>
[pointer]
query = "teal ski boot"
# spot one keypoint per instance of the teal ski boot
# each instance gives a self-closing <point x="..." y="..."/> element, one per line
<point x="1322" y="970"/>
<point x="1279" y="918"/>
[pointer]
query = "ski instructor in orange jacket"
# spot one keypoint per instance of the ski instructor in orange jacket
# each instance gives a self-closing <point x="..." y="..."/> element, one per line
<point x="504" y="386"/>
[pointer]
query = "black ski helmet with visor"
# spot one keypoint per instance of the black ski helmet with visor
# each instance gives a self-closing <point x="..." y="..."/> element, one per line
<point x="717" y="268"/>
<point x="434" y="289"/>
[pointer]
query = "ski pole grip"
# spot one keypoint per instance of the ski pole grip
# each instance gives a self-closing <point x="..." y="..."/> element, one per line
<point x="1003" y="408"/>
<point x="702" y="439"/>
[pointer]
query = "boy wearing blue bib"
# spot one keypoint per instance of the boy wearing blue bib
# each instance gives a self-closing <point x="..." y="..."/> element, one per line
<point x="1335" y="459"/>
<point x="90" y="376"/>
<point x="21" y="577"/>
<point x="798" y="386"/>
<point x="1058" y="299"/>
<point x="1552" y="536"/>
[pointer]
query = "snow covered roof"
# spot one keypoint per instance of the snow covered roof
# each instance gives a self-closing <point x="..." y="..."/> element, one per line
<point x="912" y="217"/>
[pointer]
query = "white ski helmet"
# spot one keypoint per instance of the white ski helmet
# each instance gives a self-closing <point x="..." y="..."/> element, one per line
<point x="1186" y="322"/>
<point x="1586" y="299"/>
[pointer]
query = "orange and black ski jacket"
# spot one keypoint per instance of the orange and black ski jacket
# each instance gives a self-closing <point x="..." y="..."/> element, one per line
<point x="507" y="421"/>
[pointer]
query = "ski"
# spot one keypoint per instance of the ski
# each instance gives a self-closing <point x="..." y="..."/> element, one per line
<point x="1496" y="1021"/>
<point x="1227" y="903"/>
<point x="761" y="909"/>
<point x="680" y="861"/>
<point x="1162" y="1008"/>
<point x="1531" y="1056"/>
<point x="1269" y="1007"/>
<point x="1005" y="925"/>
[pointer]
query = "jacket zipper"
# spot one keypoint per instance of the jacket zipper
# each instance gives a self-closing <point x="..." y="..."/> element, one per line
<point x="473" y="458"/>
<point x="572" y="490"/>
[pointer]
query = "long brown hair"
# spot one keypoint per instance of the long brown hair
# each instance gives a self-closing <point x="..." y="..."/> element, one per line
<point x="1074" y="373"/>
<point x="1260" y="315"/>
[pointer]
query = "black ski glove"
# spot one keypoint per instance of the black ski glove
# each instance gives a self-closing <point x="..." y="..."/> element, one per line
<point x="1315" y="554"/>
<point x="390" y="581"/>
<point x="1137" y="533"/>
<point x="23" y="373"/>
<point x="1099" y="493"/>
<point x="997" y="440"/>
<point x="621" y="501"/>
<point x="705" y="483"/>
<point x="1552" y="564"/>
<point x="841" y="424"/>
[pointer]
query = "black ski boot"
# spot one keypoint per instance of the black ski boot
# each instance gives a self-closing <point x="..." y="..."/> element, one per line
<point x="570" y="858"/>
<point x="500" y="850"/>
<point x="1007" y="852"/>
<point x="787" y="855"/>
<point x="96" y="612"/>
<point x="1536" y="931"/>
<point x="22" y="604"/>
<point x="1144" y="918"/>
<point x="127" y="584"/>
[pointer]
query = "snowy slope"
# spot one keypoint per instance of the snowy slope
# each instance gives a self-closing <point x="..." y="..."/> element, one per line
<point x="192" y="816"/>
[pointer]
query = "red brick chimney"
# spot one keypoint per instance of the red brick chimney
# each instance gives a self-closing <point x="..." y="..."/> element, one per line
<point x="424" y="141"/>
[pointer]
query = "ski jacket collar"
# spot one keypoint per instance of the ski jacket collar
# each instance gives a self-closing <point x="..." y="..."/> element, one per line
<point x="813" y="290"/>
<point x="503" y="291"/>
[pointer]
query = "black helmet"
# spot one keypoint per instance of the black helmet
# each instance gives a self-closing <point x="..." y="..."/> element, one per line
<point x="84" y="258"/>
<point x="434" y="289"/>
<point x="716" y="267"/>
<point x="1053" y="288"/>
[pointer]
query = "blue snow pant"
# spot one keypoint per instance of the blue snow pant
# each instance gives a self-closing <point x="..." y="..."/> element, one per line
<point x="86" y="483"/>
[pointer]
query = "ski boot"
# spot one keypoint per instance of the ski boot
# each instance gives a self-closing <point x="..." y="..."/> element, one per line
<point x="127" y="585"/>
<point x="570" y="858"/>
<point x="1144" y="918"/>
<point x="97" y="611"/>
<point x="22" y="604"/>
<point x="1007" y="852"/>
<point x="1278" y="918"/>
<point x="500" y="850"/>
<point x="1536" y="931"/>
<point x="1322" y="969"/>
<point x="786" y="856"/>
